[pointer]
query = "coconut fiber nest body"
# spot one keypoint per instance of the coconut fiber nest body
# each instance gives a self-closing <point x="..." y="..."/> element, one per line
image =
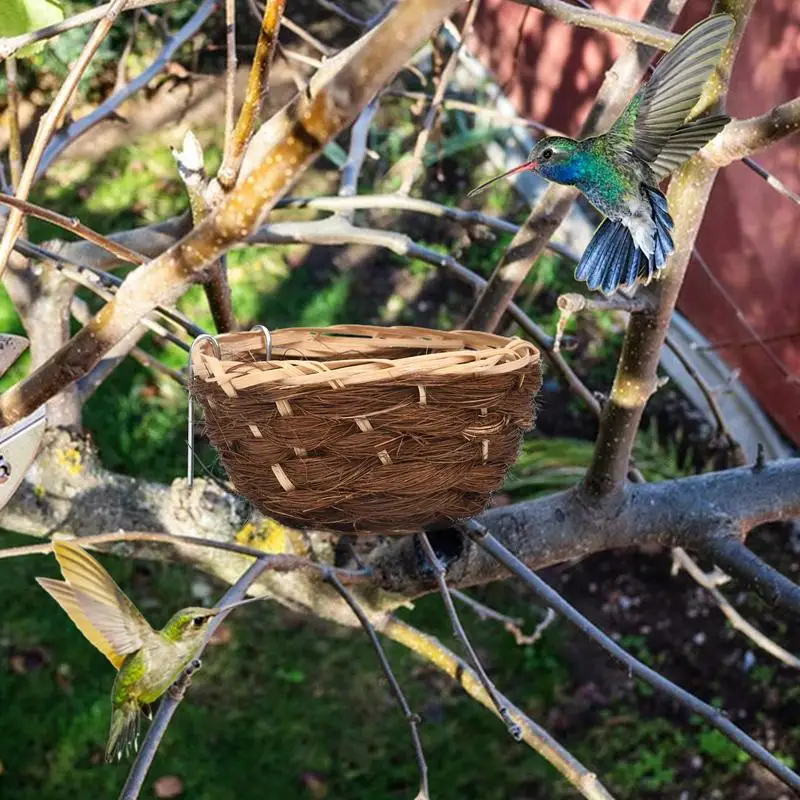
<point x="366" y="429"/>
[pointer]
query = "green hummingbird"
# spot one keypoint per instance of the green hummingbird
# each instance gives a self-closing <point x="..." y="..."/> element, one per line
<point x="620" y="170"/>
<point x="148" y="661"/>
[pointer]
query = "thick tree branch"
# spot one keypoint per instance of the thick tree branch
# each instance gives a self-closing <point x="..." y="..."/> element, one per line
<point x="745" y="137"/>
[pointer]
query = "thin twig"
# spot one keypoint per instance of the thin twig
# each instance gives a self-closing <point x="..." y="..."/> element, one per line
<point x="342" y="13"/>
<point x="173" y="697"/>
<point x="122" y="65"/>
<point x="10" y="44"/>
<point x="14" y="139"/>
<point x="359" y="134"/>
<point x="414" y="164"/>
<point x="682" y="560"/>
<point x="300" y="31"/>
<point x="66" y="136"/>
<point x="74" y="225"/>
<point x="103" y="284"/>
<point x="458" y="629"/>
<point x="257" y="86"/>
<point x="230" y="71"/>
<point x="412" y="718"/>
<point x="481" y="536"/>
<point x="536" y="737"/>
<point x="772" y="180"/>
<point x="49" y="121"/>
<point x="279" y="562"/>
<point x="511" y="624"/>
<point x="598" y="21"/>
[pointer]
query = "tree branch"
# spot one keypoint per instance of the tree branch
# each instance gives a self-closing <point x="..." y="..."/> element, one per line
<point x="163" y="280"/>
<point x="49" y="122"/>
<point x="10" y="44"/>
<point x="257" y="85"/>
<point x="745" y="137"/>
<point x="635" y="379"/>
<point x="434" y="652"/>
<point x="649" y="34"/>
<point x="712" y="715"/>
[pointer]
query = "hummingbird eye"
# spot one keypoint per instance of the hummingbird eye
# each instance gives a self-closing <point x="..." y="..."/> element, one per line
<point x="546" y="154"/>
<point x="198" y="621"/>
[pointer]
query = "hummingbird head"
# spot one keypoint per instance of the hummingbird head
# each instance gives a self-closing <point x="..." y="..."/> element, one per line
<point x="552" y="158"/>
<point x="189" y="624"/>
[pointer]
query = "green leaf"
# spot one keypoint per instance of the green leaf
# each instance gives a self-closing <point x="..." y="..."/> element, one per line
<point x="23" y="16"/>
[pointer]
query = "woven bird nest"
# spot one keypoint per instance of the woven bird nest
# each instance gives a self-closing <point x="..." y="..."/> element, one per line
<point x="367" y="429"/>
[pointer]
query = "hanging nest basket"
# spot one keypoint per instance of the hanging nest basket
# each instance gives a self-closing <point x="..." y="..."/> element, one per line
<point x="367" y="429"/>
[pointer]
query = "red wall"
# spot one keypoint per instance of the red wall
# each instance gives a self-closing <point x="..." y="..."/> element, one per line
<point x="750" y="237"/>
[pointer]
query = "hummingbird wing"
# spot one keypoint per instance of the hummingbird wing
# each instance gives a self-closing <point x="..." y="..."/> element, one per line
<point x="63" y="594"/>
<point x="685" y="142"/>
<point x="660" y="107"/>
<point x="100" y="606"/>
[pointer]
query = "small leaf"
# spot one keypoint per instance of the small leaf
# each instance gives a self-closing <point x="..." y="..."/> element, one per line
<point x="23" y="16"/>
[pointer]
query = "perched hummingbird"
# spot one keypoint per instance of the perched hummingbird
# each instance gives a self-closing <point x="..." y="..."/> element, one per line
<point x="619" y="171"/>
<point x="148" y="661"/>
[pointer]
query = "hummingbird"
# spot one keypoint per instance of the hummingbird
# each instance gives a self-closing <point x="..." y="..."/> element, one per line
<point x="148" y="661"/>
<point x="619" y="171"/>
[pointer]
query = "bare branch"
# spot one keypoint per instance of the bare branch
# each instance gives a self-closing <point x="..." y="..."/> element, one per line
<point x="713" y="716"/>
<point x="257" y="85"/>
<point x="739" y="561"/>
<point x="635" y="379"/>
<point x="164" y="279"/>
<point x="458" y="630"/>
<point x="412" y="719"/>
<point x="14" y="140"/>
<point x="433" y="110"/>
<point x="682" y="560"/>
<point x="745" y="137"/>
<point x="433" y="651"/>
<point x="358" y="150"/>
<point x="596" y="20"/>
<point x="173" y="697"/>
<point x="10" y="44"/>
<point x="74" y="225"/>
<point x="230" y="71"/>
<point x="49" y="122"/>
<point x="67" y="135"/>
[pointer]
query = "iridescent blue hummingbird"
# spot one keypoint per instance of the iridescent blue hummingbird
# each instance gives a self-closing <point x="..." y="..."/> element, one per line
<point x="619" y="171"/>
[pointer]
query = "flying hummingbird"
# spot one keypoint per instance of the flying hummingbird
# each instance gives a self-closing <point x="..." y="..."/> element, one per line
<point x="148" y="661"/>
<point x="619" y="171"/>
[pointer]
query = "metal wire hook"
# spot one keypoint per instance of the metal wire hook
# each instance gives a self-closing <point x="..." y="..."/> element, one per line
<point x="190" y="424"/>
<point x="267" y="339"/>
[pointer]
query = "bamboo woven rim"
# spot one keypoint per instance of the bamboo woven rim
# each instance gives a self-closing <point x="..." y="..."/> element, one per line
<point x="367" y="429"/>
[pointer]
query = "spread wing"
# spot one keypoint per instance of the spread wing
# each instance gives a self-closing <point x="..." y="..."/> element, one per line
<point x="660" y="107"/>
<point x="685" y="142"/>
<point x="97" y="606"/>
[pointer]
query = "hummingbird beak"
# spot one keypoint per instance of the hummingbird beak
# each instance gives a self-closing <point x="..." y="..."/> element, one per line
<point x="231" y="606"/>
<point x="514" y="171"/>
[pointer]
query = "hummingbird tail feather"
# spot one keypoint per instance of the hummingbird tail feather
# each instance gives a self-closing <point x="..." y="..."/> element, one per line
<point x="664" y="246"/>
<point x="123" y="738"/>
<point x="612" y="258"/>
